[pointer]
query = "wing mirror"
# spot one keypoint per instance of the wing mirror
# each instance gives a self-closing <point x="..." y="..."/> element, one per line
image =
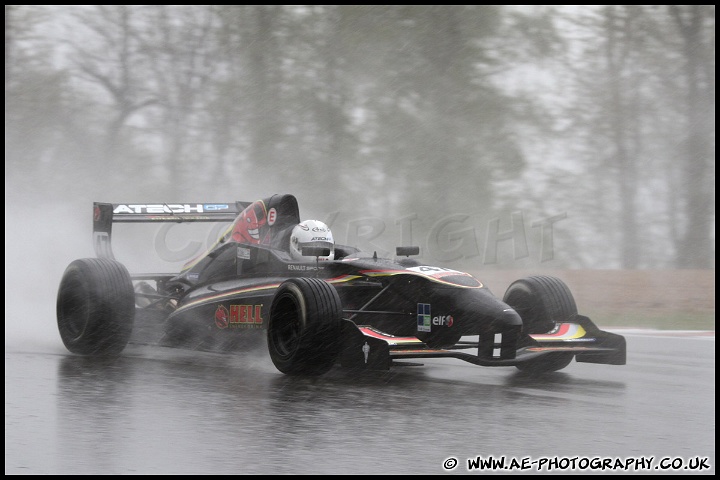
<point x="407" y="251"/>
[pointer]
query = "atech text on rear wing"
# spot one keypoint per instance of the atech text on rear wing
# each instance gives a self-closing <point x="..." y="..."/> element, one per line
<point x="106" y="214"/>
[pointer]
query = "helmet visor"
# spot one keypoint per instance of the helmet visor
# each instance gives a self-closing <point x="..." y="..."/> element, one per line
<point x="314" y="246"/>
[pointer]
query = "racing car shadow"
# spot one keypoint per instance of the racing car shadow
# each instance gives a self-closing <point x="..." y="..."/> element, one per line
<point x="423" y="379"/>
<point x="425" y="376"/>
<point x="558" y="379"/>
<point x="341" y="377"/>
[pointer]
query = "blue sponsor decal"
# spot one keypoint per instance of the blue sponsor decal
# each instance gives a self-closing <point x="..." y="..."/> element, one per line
<point x="424" y="318"/>
<point x="215" y="206"/>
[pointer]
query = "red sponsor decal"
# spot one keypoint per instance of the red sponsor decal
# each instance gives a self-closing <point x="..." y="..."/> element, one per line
<point x="221" y="317"/>
<point x="272" y="216"/>
<point x="245" y="314"/>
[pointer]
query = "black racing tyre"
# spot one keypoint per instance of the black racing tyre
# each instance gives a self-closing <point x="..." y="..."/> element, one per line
<point x="303" y="333"/>
<point x="542" y="301"/>
<point x="95" y="307"/>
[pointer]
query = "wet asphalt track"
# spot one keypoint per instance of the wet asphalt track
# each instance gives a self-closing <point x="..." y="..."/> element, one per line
<point x="163" y="411"/>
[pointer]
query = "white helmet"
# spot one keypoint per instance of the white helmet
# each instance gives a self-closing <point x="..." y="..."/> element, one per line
<point x="311" y="233"/>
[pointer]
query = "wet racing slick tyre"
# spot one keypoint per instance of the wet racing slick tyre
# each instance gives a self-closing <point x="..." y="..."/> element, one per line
<point x="542" y="301"/>
<point x="95" y="307"/>
<point x="303" y="332"/>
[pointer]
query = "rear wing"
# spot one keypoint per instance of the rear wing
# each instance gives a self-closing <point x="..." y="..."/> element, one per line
<point x="106" y="214"/>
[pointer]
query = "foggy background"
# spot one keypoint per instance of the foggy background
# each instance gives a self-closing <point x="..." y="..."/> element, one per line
<point x="499" y="139"/>
<point x="551" y="137"/>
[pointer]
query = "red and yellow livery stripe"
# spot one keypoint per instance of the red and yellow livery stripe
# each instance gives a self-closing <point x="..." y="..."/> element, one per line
<point x="390" y="339"/>
<point x="391" y="272"/>
<point x="564" y="331"/>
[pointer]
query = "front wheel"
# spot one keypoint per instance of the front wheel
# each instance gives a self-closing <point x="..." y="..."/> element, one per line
<point x="542" y="302"/>
<point x="303" y="332"/>
<point x="95" y="307"/>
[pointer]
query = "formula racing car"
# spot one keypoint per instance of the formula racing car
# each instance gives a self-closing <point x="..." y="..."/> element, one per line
<point x="317" y="304"/>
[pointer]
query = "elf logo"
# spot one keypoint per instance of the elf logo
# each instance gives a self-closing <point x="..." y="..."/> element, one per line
<point x="443" y="320"/>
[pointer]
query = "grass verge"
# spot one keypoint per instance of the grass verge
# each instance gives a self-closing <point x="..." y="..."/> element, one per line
<point x="655" y="320"/>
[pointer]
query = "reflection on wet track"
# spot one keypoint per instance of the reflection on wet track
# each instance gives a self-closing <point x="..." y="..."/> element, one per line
<point x="163" y="411"/>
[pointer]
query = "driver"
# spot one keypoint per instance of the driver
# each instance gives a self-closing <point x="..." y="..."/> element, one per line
<point x="311" y="233"/>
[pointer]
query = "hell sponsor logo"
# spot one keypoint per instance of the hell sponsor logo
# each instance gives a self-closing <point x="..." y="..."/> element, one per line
<point x="238" y="316"/>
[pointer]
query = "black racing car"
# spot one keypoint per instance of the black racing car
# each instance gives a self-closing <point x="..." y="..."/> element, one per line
<point x="357" y="310"/>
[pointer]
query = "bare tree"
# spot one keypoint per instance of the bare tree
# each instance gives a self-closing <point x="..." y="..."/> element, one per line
<point x="620" y="29"/>
<point x="696" y="26"/>
<point x="179" y="45"/>
<point x="111" y="61"/>
<point x="629" y="119"/>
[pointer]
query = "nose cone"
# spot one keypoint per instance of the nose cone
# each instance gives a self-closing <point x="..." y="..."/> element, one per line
<point x="495" y="310"/>
<point x="499" y="341"/>
<point x="486" y="313"/>
<point x="510" y="317"/>
<point x="503" y="318"/>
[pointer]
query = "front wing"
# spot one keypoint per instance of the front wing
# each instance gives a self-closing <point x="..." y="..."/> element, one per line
<point x="368" y="348"/>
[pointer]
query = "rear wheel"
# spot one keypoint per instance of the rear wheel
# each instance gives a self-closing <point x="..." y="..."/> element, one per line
<point x="303" y="332"/>
<point x="542" y="302"/>
<point x="95" y="307"/>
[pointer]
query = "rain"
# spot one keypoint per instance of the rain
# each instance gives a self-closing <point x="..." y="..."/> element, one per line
<point x="503" y="141"/>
